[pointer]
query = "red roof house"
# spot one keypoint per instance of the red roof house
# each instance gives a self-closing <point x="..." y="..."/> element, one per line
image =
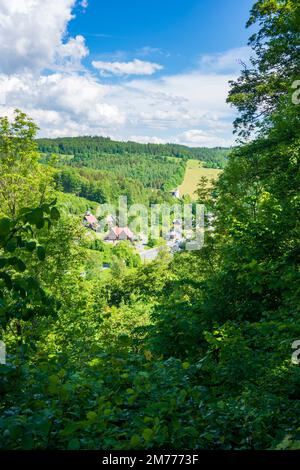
<point x="119" y="233"/>
<point x="90" y="221"/>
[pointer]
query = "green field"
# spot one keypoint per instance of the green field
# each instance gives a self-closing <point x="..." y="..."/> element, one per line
<point x="194" y="171"/>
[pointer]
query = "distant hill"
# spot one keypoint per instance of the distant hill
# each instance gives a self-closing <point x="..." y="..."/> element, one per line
<point x="100" y="169"/>
<point x="86" y="146"/>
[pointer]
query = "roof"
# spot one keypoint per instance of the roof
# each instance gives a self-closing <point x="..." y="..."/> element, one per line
<point x="119" y="230"/>
<point x="91" y="219"/>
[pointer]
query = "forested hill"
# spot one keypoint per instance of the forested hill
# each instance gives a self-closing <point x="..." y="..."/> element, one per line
<point x="103" y="173"/>
<point x="87" y="145"/>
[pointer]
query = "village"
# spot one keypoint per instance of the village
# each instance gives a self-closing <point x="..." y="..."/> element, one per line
<point x="148" y="249"/>
<point x="173" y="237"/>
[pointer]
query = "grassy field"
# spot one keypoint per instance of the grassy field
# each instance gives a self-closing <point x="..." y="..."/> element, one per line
<point x="194" y="171"/>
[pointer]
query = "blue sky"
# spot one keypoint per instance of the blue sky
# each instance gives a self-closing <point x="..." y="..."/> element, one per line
<point x="141" y="70"/>
<point x="180" y="29"/>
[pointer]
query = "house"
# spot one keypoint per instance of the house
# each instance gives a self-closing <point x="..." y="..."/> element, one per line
<point x="90" y="221"/>
<point x="174" y="235"/>
<point x="175" y="193"/>
<point x="177" y="223"/>
<point x="119" y="233"/>
<point x="110" y="220"/>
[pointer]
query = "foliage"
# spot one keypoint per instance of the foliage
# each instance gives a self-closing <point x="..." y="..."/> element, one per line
<point x="22" y="178"/>
<point x="104" y="151"/>
<point x="274" y="67"/>
<point x="99" y="186"/>
<point x="21" y="296"/>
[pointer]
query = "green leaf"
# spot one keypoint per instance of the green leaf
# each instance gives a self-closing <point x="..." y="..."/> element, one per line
<point x="74" y="444"/>
<point x="54" y="214"/>
<point x="41" y="253"/>
<point x="91" y="416"/>
<point x="18" y="264"/>
<point x="40" y="223"/>
<point x="11" y="245"/>
<point x="5" y="226"/>
<point x="147" y="434"/>
<point x="35" y="216"/>
<point x="27" y="443"/>
<point x="7" y="279"/>
<point x="54" y="379"/>
<point x="135" y="440"/>
<point x="30" y="246"/>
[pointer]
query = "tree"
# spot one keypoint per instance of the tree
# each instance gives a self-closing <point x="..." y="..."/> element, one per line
<point x="275" y="66"/>
<point x="21" y="295"/>
<point x="23" y="180"/>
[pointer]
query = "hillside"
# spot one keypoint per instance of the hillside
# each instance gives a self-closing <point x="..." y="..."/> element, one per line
<point x="100" y="186"/>
<point x="86" y="147"/>
<point x="101" y="170"/>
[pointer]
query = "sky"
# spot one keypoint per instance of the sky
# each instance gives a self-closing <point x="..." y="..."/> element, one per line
<point x="142" y="70"/>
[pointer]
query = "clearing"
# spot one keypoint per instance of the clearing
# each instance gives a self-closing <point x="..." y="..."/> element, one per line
<point x="194" y="171"/>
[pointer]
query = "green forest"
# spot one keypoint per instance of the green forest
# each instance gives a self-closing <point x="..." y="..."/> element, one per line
<point x="101" y="170"/>
<point x="189" y="351"/>
<point x="86" y="150"/>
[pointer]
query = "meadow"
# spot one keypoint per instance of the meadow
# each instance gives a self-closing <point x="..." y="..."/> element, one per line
<point x="193" y="173"/>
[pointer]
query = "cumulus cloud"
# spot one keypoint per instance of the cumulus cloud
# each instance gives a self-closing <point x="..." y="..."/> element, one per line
<point x="65" y="101"/>
<point x="172" y="104"/>
<point x="188" y="107"/>
<point x="73" y="51"/>
<point x="134" y="67"/>
<point x="32" y="34"/>
<point x="41" y="71"/>
<point x="147" y="139"/>
<point x="191" y="138"/>
<point x="62" y="102"/>
<point x="200" y="138"/>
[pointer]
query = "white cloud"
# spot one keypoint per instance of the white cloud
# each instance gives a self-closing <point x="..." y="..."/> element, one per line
<point x="147" y="50"/>
<point x="170" y="105"/>
<point x="147" y="139"/>
<point x="41" y="71"/>
<point x="75" y="48"/>
<point x="225" y="62"/>
<point x="63" y="102"/>
<point x="186" y="107"/>
<point x="32" y="34"/>
<point x="135" y="67"/>
<point x="191" y="138"/>
<point x="200" y="138"/>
